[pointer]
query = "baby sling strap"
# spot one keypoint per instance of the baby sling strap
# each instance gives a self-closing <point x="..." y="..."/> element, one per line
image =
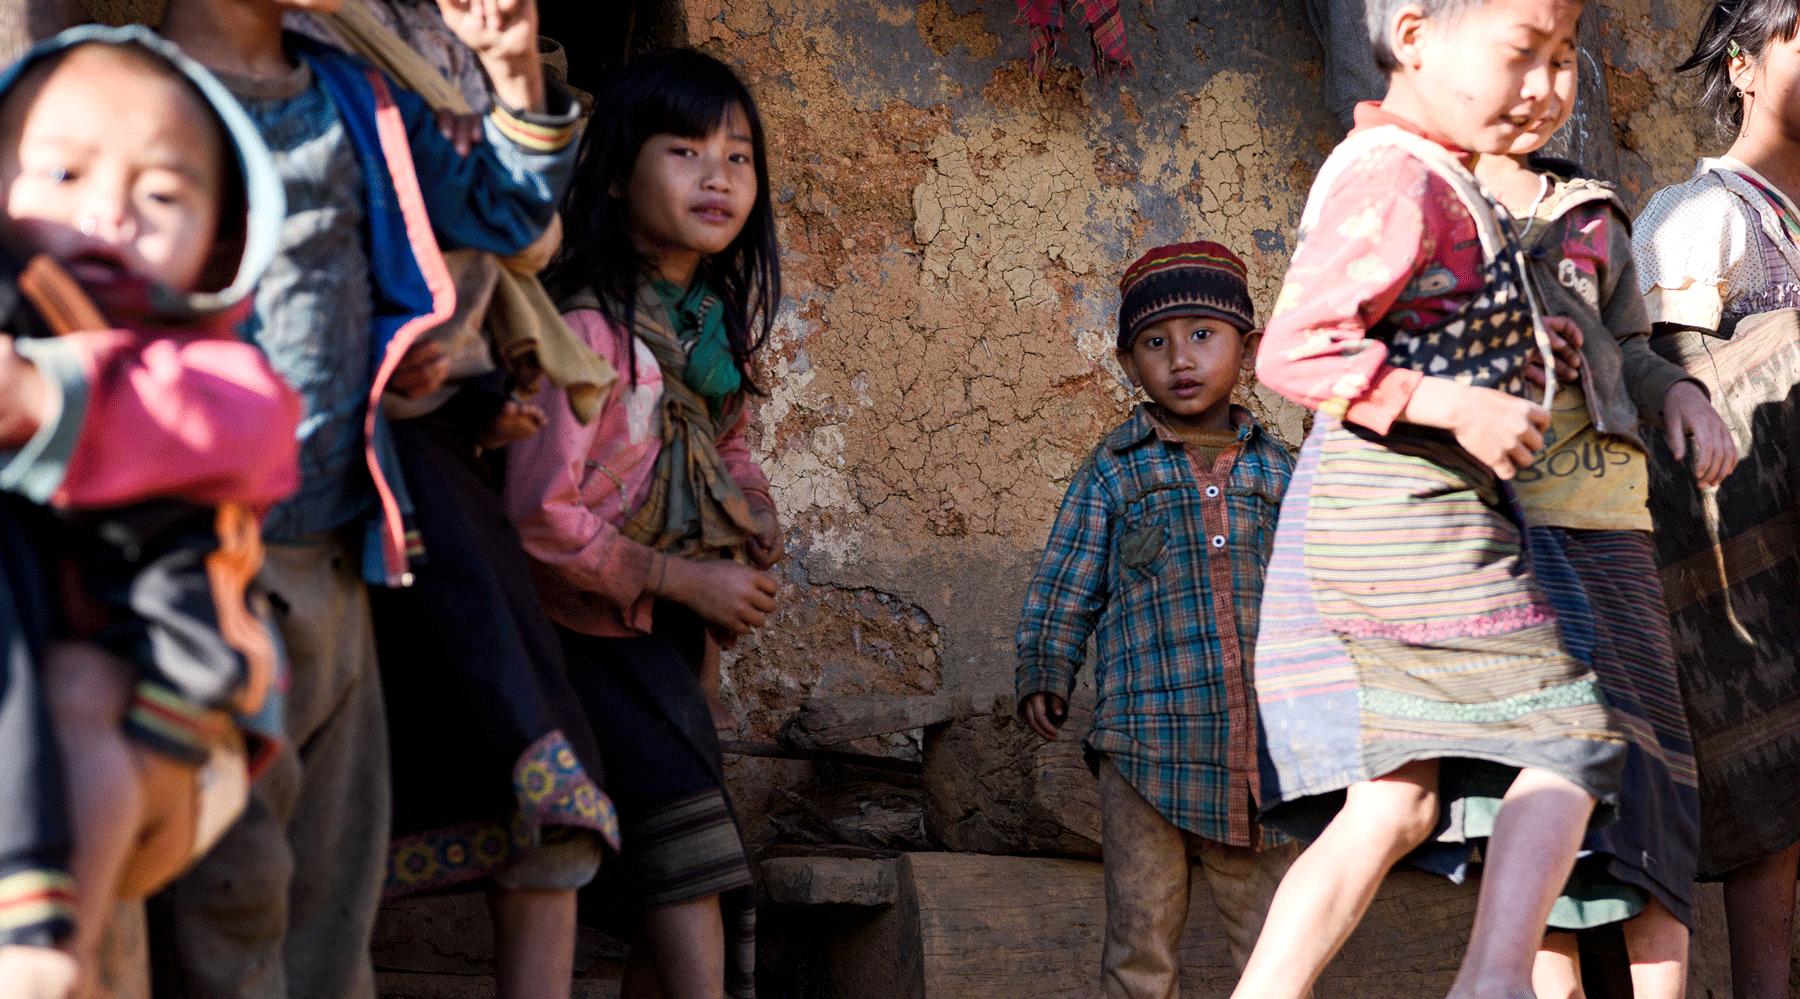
<point x="1499" y="247"/>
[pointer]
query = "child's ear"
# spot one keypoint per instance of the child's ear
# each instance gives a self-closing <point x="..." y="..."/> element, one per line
<point x="1742" y="71"/>
<point x="1130" y="366"/>
<point x="1406" y="29"/>
<point x="1252" y="342"/>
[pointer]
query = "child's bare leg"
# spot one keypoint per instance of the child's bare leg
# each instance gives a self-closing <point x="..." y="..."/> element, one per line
<point x="1556" y="971"/>
<point x="711" y="680"/>
<point x="684" y="946"/>
<point x="88" y="690"/>
<point x="534" y="936"/>
<point x="1759" y="923"/>
<point x="1528" y="860"/>
<point x="36" y="973"/>
<point x="1330" y="886"/>
<point x="1657" y="943"/>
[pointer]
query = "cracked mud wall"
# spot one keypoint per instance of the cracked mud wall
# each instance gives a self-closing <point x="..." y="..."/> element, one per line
<point x="953" y="235"/>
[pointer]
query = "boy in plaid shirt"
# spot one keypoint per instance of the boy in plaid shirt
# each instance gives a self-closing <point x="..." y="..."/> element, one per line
<point x="1158" y="552"/>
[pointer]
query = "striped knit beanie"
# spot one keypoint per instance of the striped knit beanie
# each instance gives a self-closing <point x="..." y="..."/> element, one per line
<point x="1185" y="279"/>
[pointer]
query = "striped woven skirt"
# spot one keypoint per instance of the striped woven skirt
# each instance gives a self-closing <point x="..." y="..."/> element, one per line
<point x="1401" y="623"/>
<point x="1609" y="601"/>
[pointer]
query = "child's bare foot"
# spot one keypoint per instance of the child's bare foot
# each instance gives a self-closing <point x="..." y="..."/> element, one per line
<point x="36" y="973"/>
<point x="515" y="422"/>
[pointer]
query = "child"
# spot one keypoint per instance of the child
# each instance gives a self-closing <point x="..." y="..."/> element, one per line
<point x="129" y="167"/>
<point x="286" y="903"/>
<point x="1410" y="673"/>
<point x="1719" y="263"/>
<point x="494" y="767"/>
<point x="1158" y="552"/>
<point x="1586" y="500"/>
<point x="639" y="522"/>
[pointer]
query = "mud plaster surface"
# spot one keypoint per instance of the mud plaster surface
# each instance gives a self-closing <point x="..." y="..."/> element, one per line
<point x="952" y="239"/>
<point x="952" y="234"/>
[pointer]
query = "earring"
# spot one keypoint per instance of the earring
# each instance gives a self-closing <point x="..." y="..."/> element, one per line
<point x="1732" y="50"/>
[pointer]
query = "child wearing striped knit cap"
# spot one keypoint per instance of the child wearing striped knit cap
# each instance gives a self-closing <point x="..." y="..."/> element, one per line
<point x="1158" y="553"/>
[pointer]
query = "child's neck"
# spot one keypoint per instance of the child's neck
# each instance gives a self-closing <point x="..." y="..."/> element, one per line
<point x="1766" y="148"/>
<point x="676" y="266"/>
<point x="243" y="39"/>
<point x="1403" y="101"/>
<point x="1510" y="179"/>
<point x="1213" y="420"/>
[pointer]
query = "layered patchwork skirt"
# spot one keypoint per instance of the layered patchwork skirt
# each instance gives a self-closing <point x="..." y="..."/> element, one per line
<point x="1401" y="622"/>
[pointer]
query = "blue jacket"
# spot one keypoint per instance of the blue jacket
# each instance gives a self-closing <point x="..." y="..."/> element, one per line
<point x="422" y="193"/>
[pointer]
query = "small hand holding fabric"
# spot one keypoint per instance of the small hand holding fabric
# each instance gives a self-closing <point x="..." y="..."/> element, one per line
<point x="422" y="371"/>
<point x="504" y="35"/>
<point x="461" y="130"/>
<point x="768" y="545"/>
<point x="1044" y="712"/>
<point x="1500" y="430"/>
<point x="1565" y="346"/>
<point x="516" y="421"/>
<point x="1692" y="424"/>
<point x="25" y="398"/>
<point x="733" y="598"/>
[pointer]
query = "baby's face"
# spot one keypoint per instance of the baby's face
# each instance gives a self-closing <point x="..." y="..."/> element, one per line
<point x="116" y="174"/>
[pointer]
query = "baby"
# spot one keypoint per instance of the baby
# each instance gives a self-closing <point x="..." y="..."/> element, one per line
<point x="147" y="438"/>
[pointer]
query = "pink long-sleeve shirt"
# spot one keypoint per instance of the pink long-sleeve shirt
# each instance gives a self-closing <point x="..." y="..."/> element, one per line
<point x="193" y="414"/>
<point x="1393" y="244"/>
<point x="570" y="487"/>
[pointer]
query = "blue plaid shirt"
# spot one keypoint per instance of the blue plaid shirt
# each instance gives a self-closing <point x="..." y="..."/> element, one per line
<point x="1160" y="557"/>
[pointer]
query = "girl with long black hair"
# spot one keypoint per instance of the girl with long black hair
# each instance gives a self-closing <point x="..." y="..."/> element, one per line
<point x="651" y="528"/>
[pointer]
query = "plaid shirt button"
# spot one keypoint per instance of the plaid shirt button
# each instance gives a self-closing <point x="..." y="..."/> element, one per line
<point x="1212" y="491"/>
<point x="1218" y="541"/>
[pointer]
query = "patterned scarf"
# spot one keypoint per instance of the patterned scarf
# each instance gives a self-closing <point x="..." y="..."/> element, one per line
<point x="694" y="507"/>
<point x="1779" y="203"/>
<point x="1106" y="30"/>
<point x="698" y="314"/>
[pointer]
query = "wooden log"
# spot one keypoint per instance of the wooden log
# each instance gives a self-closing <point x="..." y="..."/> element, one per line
<point x="825" y="722"/>
<point x="829" y="881"/>
<point x="993" y="786"/>
<point x="1017" y="927"/>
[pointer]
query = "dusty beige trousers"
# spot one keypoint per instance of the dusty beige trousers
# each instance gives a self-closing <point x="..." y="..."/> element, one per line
<point x="1150" y="863"/>
<point x="284" y="906"/>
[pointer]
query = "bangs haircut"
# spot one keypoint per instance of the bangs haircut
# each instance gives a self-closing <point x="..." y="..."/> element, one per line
<point x="1753" y="25"/>
<point x="1381" y="19"/>
<point x="688" y="94"/>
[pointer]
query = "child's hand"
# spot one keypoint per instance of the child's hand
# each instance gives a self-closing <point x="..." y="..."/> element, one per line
<point x="1565" y="347"/>
<point x="1502" y="431"/>
<point x="461" y="130"/>
<point x="504" y="35"/>
<point x="516" y="421"/>
<point x="735" y="598"/>
<point x="1044" y="712"/>
<point x="1688" y="415"/>
<point x="421" y="372"/>
<point x="25" y="398"/>
<point x="769" y="544"/>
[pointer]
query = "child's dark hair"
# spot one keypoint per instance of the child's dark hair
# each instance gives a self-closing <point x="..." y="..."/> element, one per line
<point x="1733" y="27"/>
<point x="678" y="92"/>
<point x="1381" y="19"/>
